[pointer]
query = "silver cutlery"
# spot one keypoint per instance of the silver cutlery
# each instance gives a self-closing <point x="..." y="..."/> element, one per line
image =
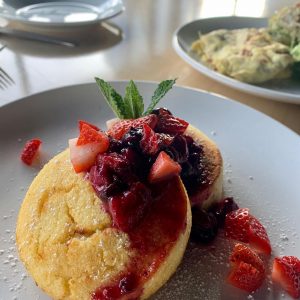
<point x="35" y="37"/>
<point x="5" y="79"/>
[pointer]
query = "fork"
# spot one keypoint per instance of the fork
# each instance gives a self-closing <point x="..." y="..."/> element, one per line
<point x="5" y="79"/>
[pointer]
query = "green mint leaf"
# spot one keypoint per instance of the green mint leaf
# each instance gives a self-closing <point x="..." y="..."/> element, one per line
<point x="133" y="101"/>
<point x="159" y="93"/>
<point x="113" y="99"/>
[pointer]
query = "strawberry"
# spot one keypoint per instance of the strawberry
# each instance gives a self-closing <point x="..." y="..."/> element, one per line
<point x="242" y="226"/>
<point x="243" y="253"/>
<point x="248" y="271"/>
<point x="118" y="129"/>
<point x="149" y="141"/>
<point x="83" y="155"/>
<point x="246" y="277"/>
<point x="90" y="135"/>
<point x="286" y="272"/>
<point x="258" y="237"/>
<point x="237" y="224"/>
<point x="30" y="150"/>
<point x="163" y="168"/>
<point x="81" y="123"/>
<point x="169" y="124"/>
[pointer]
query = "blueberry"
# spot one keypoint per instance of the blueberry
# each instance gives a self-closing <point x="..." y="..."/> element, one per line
<point x="221" y="209"/>
<point x="204" y="226"/>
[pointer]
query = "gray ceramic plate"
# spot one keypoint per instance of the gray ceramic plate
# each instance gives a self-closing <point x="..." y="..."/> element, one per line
<point x="287" y="90"/>
<point x="60" y="13"/>
<point x="262" y="172"/>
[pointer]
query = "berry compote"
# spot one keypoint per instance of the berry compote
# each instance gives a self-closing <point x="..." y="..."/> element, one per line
<point x="145" y="210"/>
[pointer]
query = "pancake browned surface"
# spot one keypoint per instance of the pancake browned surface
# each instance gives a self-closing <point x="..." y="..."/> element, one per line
<point x="211" y="192"/>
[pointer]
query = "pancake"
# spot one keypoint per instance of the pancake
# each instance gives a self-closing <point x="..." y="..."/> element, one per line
<point x="68" y="243"/>
<point x="211" y="192"/>
<point x="66" y="239"/>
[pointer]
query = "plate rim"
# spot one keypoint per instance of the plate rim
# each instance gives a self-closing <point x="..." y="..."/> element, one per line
<point x="152" y="82"/>
<point x="233" y="83"/>
<point x="56" y="25"/>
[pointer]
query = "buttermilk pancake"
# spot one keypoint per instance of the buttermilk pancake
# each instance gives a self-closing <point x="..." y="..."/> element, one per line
<point x="66" y="239"/>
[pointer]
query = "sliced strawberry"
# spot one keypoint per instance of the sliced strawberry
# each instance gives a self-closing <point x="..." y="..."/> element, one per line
<point x="245" y="277"/>
<point x="149" y="141"/>
<point x="90" y="135"/>
<point x="248" y="271"/>
<point x="163" y="168"/>
<point x="117" y="130"/>
<point x="30" y="151"/>
<point x="81" y="123"/>
<point x="242" y="226"/>
<point x="237" y="225"/>
<point x="83" y="156"/>
<point x="258" y="237"/>
<point x="111" y="122"/>
<point x="164" y="140"/>
<point x="286" y="272"/>
<point x="243" y="253"/>
<point x="169" y="124"/>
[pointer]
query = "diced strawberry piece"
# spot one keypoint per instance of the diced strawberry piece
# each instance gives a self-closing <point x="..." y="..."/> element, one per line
<point x="248" y="271"/>
<point x="83" y="156"/>
<point x="258" y="237"/>
<point x="164" y="140"/>
<point x="245" y="277"/>
<point x="163" y="168"/>
<point x="149" y="141"/>
<point x="242" y="226"/>
<point x="286" y="272"/>
<point x="89" y="135"/>
<point x="30" y="151"/>
<point x="81" y="123"/>
<point x="111" y="122"/>
<point x="118" y="129"/>
<point x="243" y="253"/>
<point x="169" y="124"/>
<point x="237" y="225"/>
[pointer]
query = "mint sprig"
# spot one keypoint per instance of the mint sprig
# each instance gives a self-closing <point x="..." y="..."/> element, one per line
<point x="132" y="106"/>
<point x="159" y="93"/>
<point x="133" y="100"/>
<point x="113" y="99"/>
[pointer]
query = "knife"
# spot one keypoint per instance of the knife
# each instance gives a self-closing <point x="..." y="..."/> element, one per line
<point x="35" y="37"/>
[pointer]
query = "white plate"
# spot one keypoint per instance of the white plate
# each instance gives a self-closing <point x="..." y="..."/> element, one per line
<point x="262" y="172"/>
<point x="287" y="90"/>
<point x="60" y="13"/>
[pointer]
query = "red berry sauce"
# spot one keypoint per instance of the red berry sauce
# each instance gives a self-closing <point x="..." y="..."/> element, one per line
<point x="152" y="239"/>
<point x="153" y="215"/>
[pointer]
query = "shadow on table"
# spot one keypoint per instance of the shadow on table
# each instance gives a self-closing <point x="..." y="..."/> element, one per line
<point x="88" y="39"/>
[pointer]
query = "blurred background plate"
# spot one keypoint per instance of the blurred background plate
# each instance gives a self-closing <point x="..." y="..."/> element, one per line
<point x="287" y="90"/>
<point x="60" y="13"/>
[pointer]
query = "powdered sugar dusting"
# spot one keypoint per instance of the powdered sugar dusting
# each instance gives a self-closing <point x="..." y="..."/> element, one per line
<point x="200" y="263"/>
